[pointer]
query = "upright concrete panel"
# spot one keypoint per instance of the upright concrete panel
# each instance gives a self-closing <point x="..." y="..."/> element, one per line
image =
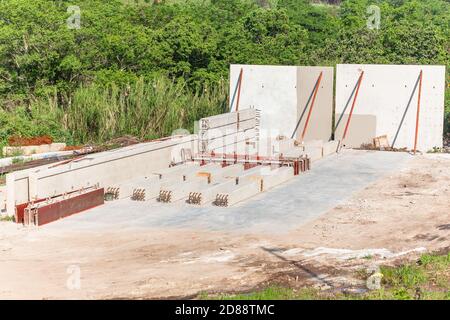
<point x="320" y="122"/>
<point x="384" y="94"/>
<point x="271" y="89"/>
<point x="281" y="93"/>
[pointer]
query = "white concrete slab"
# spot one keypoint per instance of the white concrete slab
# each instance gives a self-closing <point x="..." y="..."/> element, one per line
<point x="383" y="97"/>
<point x="281" y="94"/>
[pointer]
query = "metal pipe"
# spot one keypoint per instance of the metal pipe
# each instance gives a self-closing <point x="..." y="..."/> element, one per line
<point x="418" y="112"/>
<point x="353" y="106"/>
<point x="312" y="105"/>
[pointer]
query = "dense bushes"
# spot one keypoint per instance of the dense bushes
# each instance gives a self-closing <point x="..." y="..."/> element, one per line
<point x="143" y="69"/>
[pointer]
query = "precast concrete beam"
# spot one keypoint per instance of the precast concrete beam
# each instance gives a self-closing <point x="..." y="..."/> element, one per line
<point x="109" y="169"/>
<point x="176" y="171"/>
<point x="180" y="191"/>
<point x="201" y="171"/>
<point x="207" y="194"/>
<point x="228" y="129"/>
<point x="239" y="193"/>
<point x="277" y="177"/>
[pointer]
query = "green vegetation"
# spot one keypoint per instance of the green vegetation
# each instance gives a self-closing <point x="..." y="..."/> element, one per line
<point x="428" y="279"/>
<point x="134" y="67"/>
<point x="7" y="218"/>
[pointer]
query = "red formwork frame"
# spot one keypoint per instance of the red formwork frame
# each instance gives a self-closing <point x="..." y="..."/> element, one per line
<point x="20" y="208"/>
<point x="47" y="213"/>
<point x="241" y="73"/>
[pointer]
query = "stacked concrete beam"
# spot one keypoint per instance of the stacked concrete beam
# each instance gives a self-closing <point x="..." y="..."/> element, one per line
<point x="103" y="169"/>
<point x="229" y="132"/>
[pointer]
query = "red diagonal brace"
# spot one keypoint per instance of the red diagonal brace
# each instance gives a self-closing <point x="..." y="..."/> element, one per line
<point x="312" y="105"/>
<point x="239" y="89"/>
<point x="353" y="105"/>
<point x="418" y="112"/>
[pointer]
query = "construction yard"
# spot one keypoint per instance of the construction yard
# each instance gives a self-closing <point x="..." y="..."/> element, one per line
<point x="283" y="190"/>
<point x="382" y="205"/>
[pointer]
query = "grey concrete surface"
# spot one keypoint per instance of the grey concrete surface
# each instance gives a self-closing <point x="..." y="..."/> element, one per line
<point x="305" y="197"/>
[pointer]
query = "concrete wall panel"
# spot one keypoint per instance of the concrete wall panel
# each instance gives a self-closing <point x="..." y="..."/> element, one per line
<point x="320" y="123"/>
<point x="271" y="89"/>
<point x="281" y="93"/>
<point x="384" y="93"/>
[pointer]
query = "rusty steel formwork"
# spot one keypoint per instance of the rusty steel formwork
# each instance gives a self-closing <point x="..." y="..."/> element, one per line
<point x="194" y="198"/>
<point x="138" y="195"/>
<point x="164" y="196"/>
<point x="38" y="214"/>
<point x="112" y="193"/>
<point x="221" y="200"/>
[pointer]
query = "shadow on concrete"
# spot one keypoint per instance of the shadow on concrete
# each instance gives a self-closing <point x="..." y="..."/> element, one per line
<point x="298" y="264"/>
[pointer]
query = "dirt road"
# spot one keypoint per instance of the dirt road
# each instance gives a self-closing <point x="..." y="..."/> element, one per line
<point x="399" y="216"/>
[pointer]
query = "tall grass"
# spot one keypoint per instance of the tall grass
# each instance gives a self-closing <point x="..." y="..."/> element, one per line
<point x="145" y="109"/>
